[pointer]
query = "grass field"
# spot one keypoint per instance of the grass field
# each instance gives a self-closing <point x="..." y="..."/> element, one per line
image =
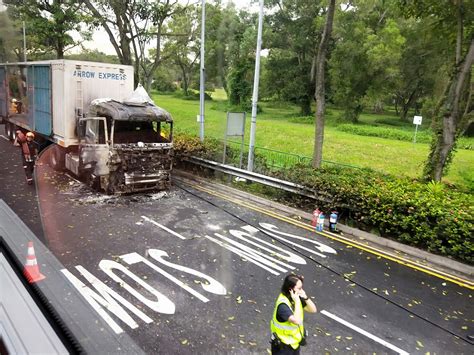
<point x="280" y="128"/>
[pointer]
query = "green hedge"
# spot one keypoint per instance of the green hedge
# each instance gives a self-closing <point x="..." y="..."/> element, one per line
<point x="429" y="216"/>
<point x="399" y="134"/>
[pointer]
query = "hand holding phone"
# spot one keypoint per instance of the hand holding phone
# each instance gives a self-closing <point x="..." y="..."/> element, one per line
<point x="294" y="295"/>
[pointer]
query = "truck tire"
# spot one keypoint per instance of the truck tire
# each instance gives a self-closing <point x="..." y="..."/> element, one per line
<point x="56" y="158"/>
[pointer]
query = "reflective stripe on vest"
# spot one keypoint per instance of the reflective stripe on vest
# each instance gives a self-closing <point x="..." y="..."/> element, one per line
<point x="289" y="333"/>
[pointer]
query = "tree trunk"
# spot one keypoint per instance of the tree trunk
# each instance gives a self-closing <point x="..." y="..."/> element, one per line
<point x="319" y="94"/>
<point x="459" y="32"/>
<point x="451" y="115"/>
<point x="185" y="78"/>
<point x="122" y="50"/>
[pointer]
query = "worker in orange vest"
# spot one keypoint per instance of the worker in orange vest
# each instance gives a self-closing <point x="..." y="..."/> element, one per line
<point x="29" y="152"/>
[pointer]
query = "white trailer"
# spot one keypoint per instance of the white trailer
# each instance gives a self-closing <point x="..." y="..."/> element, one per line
<point x="98" y="124"/>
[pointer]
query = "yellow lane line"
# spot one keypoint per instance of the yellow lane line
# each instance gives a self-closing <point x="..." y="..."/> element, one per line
<point x="400" y="260"/>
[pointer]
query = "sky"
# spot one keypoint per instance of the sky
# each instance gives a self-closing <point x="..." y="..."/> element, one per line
<point x="101" y="39"/>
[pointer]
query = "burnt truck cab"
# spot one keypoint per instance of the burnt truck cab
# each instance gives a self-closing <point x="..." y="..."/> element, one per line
<point x="124" y="147"/>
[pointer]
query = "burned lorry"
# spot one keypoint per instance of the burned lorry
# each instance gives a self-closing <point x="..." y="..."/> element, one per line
<point x="111" y="136"/>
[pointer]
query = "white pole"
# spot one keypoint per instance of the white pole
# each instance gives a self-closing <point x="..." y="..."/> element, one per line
<point x="24" y="42"/>
<point x="253" y="124"/>
<point x="202" y="72"/>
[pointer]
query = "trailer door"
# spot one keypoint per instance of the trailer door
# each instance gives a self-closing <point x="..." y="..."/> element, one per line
<point x="39" y="95"/>
<point x="3" y="93"/>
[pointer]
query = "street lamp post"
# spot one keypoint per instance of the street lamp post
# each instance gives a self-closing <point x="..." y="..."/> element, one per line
<point x="253" y="124"/>
<point x="202" y="73"/>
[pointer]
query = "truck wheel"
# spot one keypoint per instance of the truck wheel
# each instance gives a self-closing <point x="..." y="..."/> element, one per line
<point x="56" y="158"/>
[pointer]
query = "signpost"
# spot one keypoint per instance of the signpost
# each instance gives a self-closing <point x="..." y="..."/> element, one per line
<point x="235" y="128"/>
<point x="416" y="122"/>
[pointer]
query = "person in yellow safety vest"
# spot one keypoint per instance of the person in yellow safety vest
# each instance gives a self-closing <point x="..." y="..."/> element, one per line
<point x="287" y="327"/>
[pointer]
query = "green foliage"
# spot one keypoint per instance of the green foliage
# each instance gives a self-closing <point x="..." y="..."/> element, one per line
<point x="382" y="132"/>
<point x="274" y="131"/>
<point x="428" y="216"/>
<point x="293" y="37"/>
<point x="10" y="39"/>
<point x="93" y="56"/>
<point x="420" y="215"/>
<point x="192" y="95"/>
<point x="50" y="24"/>
<point x="239" y="83"/>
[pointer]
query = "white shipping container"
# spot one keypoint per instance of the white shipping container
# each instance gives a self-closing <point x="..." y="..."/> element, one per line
<point x="75" y="84"/>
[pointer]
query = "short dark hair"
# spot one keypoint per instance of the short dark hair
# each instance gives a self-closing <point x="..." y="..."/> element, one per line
<point x="289" y="283"/>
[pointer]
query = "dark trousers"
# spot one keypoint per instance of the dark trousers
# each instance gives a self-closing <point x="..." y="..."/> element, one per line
<point x="284" y="349"/>
<point x="29" y="166"/>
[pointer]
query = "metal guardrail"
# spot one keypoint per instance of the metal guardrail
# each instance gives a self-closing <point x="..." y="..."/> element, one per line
<point x="259" y="178"/>
<point x="281" y="160"/>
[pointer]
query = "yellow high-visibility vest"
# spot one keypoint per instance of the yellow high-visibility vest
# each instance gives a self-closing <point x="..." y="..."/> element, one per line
<point x="289" y="333"/>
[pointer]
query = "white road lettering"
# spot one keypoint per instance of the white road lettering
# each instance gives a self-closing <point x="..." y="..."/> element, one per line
<point x="134" y="258"/>
<point x="213" y="286"/>
<point x="290" y="256"/>
<point x="106" y="298"/>
<point x="273" y="230"/>
<point x="240" y="234"/>
<point x="243" y="254"/>
<point x="163" y="227"/>
<point x="251" y="255"/>
<point x="363" y="332"/>
<point x="162" y="304"/>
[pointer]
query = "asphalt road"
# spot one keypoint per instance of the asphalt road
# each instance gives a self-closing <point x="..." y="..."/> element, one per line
<point x="199" y="273"/>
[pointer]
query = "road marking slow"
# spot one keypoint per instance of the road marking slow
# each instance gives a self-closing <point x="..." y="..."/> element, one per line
<point x="163" y="227"/>
<point x="398" y="259"/>
<point x="363" y="332"/>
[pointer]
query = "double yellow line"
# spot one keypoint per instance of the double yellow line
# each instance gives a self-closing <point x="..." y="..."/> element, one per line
<point x="369" y="249"/>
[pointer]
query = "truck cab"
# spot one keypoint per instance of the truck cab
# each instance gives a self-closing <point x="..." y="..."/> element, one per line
<point x="124" y="148"/>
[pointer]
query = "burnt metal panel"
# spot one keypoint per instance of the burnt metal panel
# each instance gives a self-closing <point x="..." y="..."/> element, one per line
<point x="123" y="112"/>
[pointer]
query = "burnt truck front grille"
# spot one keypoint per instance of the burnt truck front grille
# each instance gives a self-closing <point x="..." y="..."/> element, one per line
<point x="146" y="161"/>
<point x="142" y="169"/>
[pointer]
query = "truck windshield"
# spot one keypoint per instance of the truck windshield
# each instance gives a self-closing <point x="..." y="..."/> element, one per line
<point x="141" y="131"/>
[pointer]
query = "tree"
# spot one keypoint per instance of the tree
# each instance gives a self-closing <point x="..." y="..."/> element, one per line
<point x="455" y="22"/>
<point x="224" y="30"/>
<point x="183" y="48"/>
<point x="349" y="70"/>
<point x="241" y="60"/>
<point x="114" y="16"/>
<point x="364" y="65"/>
<point x="292" y="35"/>
<point x="141" y="27"/>
<point x="10" y="40"/>
<point x="51" y="22"/>
<point x="421" y="58"/>
<point x="453" y="116"/>
<point x="319" y="94"/>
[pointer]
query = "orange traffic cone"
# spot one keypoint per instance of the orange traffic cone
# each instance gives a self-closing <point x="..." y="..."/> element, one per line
<point x="31" y="270"/>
